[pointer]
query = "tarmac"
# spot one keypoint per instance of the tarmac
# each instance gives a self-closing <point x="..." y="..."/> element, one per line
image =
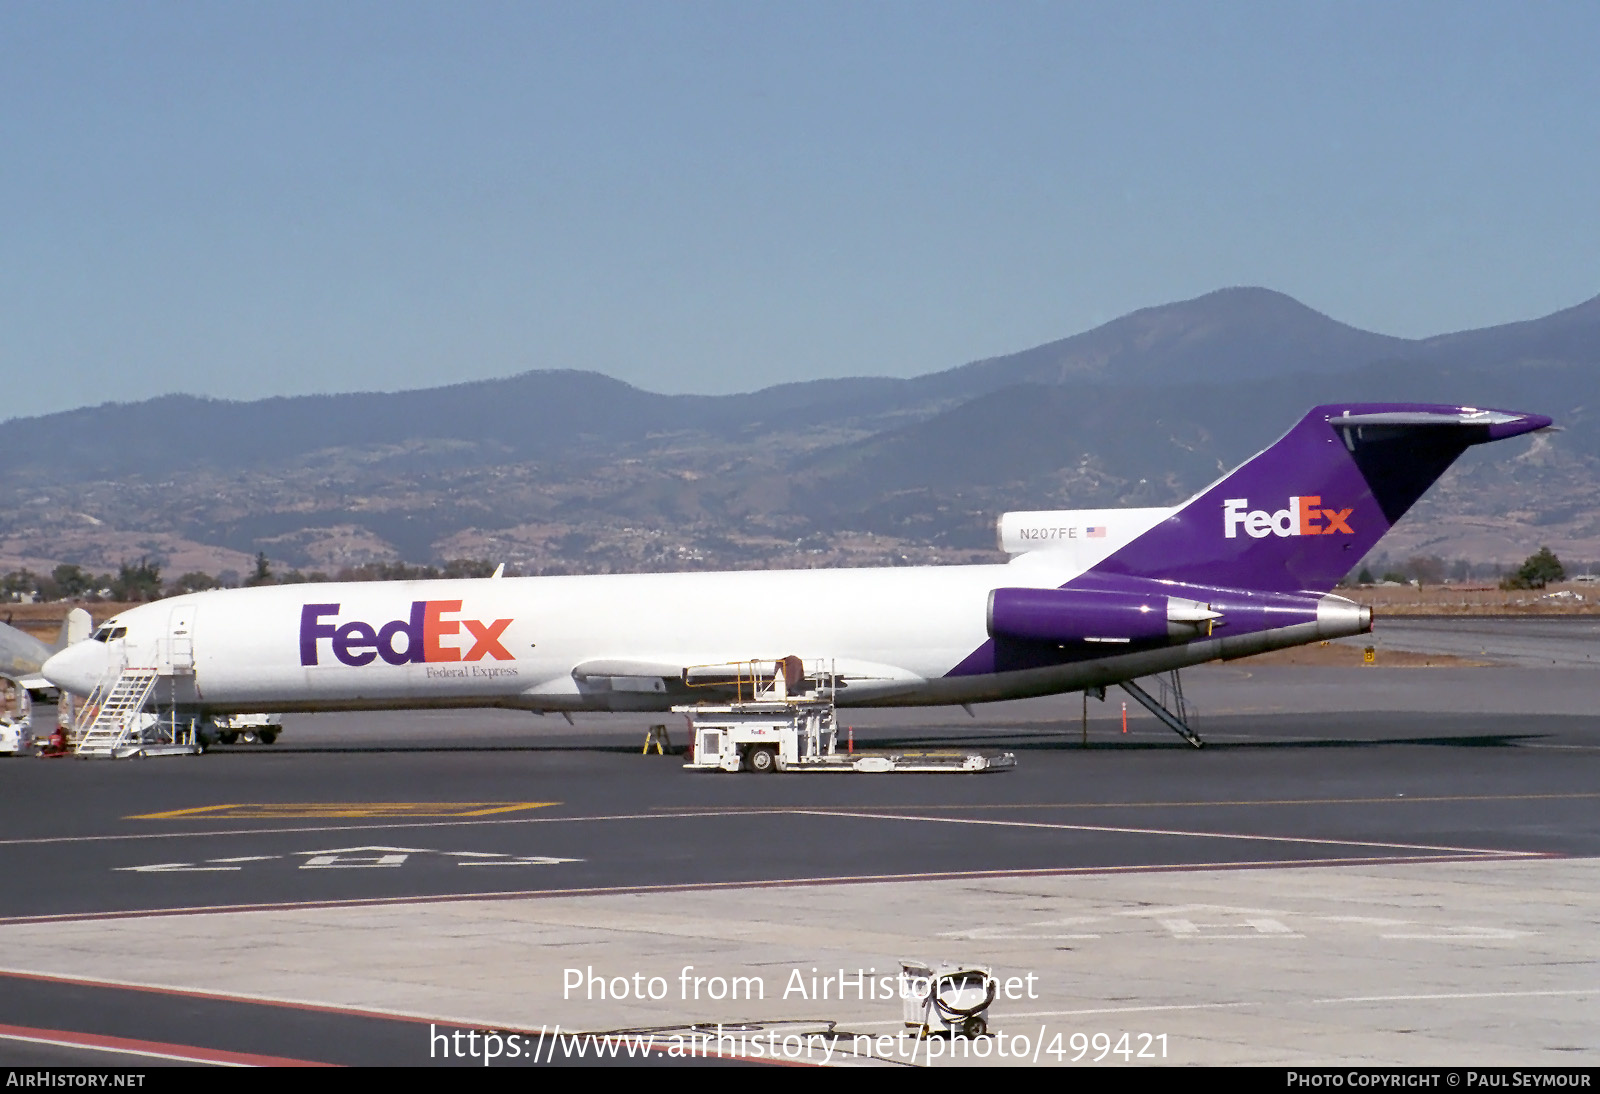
<point x="1365" y="866"/>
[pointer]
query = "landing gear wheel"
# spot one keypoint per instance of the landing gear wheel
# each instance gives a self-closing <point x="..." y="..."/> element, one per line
<point x="267" y="736"/>
<point x="763" y="759"/>
<point x="227" y="737"/>
<point x="249" y="737"/>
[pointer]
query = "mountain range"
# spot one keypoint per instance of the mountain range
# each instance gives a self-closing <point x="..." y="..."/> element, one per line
<point x="565" y="471"/>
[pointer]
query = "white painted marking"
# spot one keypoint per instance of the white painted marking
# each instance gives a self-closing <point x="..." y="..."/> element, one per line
<point x="358" y="850"/>
<point x="350" y="862"/>
<point x="526" y="860"/>
<point x="700" y="814"/>
<point x="1462" y="934"/>
<point x="742" y="886"/>
<point x="353" y="858"/>
<point x="1458" y="995"/>
<point x="1178" y="920"/>
<point x="1094" y="1010"/>
<point x="1037" y="930"/>
<point x="998" y="936"/>
<point x="1156" y="1008"/>
<point x="372" y="857"/>
<point x="1260" y="928"/>
<point x="1190" y="909"/>
<point x="1120" y="830"/>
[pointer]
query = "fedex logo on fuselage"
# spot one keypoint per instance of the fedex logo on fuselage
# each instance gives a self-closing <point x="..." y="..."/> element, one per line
<point x="1304" y="517"/>
<point x="420" y="638"/>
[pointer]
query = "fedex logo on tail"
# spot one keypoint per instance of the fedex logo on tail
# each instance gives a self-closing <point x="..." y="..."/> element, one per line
<point x="420" y="638"/>
<point x="1304" y="517"/>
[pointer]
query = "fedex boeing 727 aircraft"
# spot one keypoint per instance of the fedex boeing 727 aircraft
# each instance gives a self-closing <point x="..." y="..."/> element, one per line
<point x="1089" y="598"/>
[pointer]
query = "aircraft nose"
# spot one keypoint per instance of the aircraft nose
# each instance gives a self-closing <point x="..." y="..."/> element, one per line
<point x="79" y="667"/>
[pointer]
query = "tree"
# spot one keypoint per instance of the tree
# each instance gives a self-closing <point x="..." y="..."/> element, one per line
<point x="263" y="574"/>
<point x="192" y="582"/>
<point x="1537" y="571"/>
<point x="468" y="567"/>
<point x="1427" y="569"/>
<point x="137" y="582"/>
<point x="72" y="582"/>
<point x="19" y="584"/>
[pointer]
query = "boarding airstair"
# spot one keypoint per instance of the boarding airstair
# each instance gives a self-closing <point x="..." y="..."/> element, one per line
<point x="115" y="724"/>
<point x="1171" y="708"/>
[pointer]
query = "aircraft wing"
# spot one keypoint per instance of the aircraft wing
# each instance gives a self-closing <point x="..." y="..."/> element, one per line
<point x="593" y="670"/>
<point x="622" y="674"/>
<point x="21" y="654"/>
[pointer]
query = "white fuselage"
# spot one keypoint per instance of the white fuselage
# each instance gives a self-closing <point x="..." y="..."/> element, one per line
<point x="610" y="642"/>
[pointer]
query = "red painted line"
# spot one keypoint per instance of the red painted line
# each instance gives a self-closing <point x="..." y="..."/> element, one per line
<point x="779" y="883"/>
<point x="150" y="1048"/>
<point x="216" y="1056"/>
<point x="223" y="997"/>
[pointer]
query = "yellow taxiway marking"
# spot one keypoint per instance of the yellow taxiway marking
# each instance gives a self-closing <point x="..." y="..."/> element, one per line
<point x="287" y="810"/>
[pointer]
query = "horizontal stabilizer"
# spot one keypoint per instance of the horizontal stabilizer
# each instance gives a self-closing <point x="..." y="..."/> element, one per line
<point x="1466" y="416"/>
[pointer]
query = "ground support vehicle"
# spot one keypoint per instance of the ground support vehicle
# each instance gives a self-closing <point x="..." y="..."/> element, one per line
<point x="952" y="1000"/>
<point x="16" y="736"/>
<point x="249" y="728"/>
<point x="767" y="735"/>
<point x="16" y="718"/>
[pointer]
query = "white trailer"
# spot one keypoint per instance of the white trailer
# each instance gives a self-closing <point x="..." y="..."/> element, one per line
<point x="802" y="735"/>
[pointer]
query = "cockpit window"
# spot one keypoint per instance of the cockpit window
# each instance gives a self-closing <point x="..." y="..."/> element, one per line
<point x="108" y="633"/>
<point x="101" y="635"/>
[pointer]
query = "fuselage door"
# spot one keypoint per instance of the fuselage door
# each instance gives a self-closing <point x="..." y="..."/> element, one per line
<point x="177" y="650"/>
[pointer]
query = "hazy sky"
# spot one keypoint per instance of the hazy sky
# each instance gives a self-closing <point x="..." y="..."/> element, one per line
<point x="248" y="199"/>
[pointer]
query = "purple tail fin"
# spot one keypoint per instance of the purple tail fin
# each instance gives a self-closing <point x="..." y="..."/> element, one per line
<point x="1300" y="514"/>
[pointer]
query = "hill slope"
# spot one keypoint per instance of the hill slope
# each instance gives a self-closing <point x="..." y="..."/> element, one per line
<point x="577" y="470"/>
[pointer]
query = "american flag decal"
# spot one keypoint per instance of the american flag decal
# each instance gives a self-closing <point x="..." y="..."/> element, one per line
<point x="1097" y="532"/>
